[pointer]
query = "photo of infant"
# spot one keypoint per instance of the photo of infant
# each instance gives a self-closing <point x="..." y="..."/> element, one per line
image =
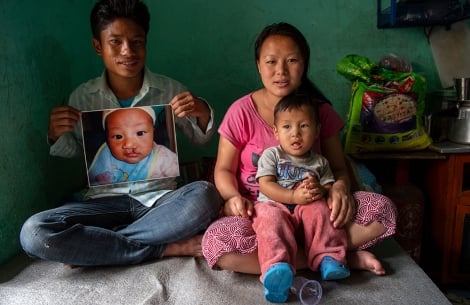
<point x="129" y="144"/>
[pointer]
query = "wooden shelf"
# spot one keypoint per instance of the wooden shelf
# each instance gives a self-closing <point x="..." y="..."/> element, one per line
<point x="447" y="184"/>
<point x="425" y="154"/>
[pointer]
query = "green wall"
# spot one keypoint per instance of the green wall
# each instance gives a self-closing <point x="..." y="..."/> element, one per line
<point x="208" y="45"/>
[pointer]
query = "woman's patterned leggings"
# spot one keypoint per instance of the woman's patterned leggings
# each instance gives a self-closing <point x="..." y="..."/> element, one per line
<point x="235" y="234"/>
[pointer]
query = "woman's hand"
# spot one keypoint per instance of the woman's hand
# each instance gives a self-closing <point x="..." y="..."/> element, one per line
<point x="341" y="204"/>
<point x="238" y="206"/>
<point x="62" y="119"/>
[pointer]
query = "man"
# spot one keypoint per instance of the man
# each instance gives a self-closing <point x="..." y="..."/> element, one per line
<point x="134" y="222"/>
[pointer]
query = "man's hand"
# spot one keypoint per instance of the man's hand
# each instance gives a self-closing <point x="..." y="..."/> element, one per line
<point x="186" y="104"/>
<point x="62" y="119"/>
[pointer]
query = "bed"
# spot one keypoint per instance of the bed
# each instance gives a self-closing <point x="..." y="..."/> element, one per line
<point x="188" y="280"/>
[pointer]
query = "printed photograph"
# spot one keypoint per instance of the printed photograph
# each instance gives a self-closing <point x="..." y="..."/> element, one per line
<point x="124" y="145"/>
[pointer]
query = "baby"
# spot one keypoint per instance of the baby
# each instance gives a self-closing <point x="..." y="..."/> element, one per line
<point x="130" y="153"/>
<point x="291" y="206"/>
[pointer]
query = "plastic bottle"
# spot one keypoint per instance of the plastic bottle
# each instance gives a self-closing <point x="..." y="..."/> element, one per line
<point x="308" y="291"/>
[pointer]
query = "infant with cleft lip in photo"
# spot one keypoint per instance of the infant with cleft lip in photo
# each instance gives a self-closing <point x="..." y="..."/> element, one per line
<point x="130" y="152"/>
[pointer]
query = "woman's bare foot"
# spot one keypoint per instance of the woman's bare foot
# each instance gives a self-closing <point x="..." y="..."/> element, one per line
<point x="364" y="260"/>
<point x="188" y="247"/>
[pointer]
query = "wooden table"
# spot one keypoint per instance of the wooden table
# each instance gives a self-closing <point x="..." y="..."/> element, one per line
<point x="445" y="182"/>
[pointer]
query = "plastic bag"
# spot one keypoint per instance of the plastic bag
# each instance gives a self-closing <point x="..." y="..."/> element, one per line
<point x="395" y="63"/>
<point x="355" y="67"/>
<point x="386" y="112"/>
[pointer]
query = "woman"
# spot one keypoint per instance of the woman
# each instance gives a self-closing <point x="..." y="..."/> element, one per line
<point x="282" y="56"/>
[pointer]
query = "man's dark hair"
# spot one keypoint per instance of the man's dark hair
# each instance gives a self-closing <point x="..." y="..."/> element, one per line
<point x="106" y="11"/>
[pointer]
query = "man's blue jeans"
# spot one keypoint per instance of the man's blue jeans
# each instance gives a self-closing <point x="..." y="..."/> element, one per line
<point x="119" y="230"/>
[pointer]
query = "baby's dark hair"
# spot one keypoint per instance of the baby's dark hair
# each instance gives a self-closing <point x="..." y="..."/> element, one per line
<point x="106" y="11"/>
<point x="296" y="101"/>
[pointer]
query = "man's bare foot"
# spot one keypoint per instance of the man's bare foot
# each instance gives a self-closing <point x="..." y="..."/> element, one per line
<point x="188" y="247"/>
<point x="70" y="266"/>
<point x="364" y="260"/>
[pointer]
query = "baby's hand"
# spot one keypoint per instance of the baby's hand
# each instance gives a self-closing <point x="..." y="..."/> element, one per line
<point x="301" y="195"/>
<point x="309" y="181"/>
<point x="316" y="190"/>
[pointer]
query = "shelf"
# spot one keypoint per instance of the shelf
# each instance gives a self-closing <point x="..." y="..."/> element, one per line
<point x="424" y="154"/>
<point x="421" y="13"/>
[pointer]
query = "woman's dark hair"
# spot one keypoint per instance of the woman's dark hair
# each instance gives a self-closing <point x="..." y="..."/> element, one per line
<point x="106" y="11"/>
<point x="296" y="101"/>
<point x="286" y="29"/>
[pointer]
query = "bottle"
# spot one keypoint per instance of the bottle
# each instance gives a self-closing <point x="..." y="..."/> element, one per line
<point x="308" y="291"/>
